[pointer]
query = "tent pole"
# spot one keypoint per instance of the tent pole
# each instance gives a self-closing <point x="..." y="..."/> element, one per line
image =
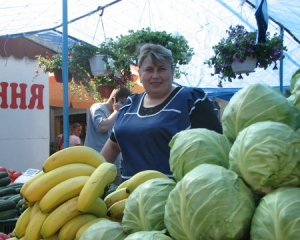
<point x="281" y="63"/>
<point x="65" y="73"/>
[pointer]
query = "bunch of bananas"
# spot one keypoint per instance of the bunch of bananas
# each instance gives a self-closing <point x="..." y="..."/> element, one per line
<point x="68" y="196"/>
<point x="65" y="197"/>
<point x="116" y="200"/>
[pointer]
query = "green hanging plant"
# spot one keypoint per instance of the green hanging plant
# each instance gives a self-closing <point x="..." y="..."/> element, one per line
<point x="127" y="47"/>
<point x="239" y="44"/>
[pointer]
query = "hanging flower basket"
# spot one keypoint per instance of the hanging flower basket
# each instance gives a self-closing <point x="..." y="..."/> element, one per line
<point x="58" y="76"/>
<point x="105" y="90"/>
<point x="247" y="66"/>
<point x="240" y="44"/>
<point x="97" y="65"/>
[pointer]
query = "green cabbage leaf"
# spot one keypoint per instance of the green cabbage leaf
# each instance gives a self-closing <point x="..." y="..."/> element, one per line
<point x="255" y="103"/>
<point x="295" y="79"/>
<point x="277" y="215"/>
<point x="295" y="95"/>
<point x="104" y="230"/>
<point x="145" y="206"/>
<point x="148" y="235"/>
<point x="209" y="202"/>
<point x="190" y="148"/>
<point x="267" y="156"/>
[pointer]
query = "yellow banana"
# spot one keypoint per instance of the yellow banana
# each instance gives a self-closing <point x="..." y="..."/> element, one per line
<point x="116" y="211"/>
<point x="115" y="196"/>
<point x="35" y="209"/>
<point x="142" y="177"/>
<point x="22" y="223"/>
<point x="96" y="184"/>
<point x="29" y="181"/>
<point x="62" y="192"/>
<point x="85" y="227"/>
<point x="59" y="216"/>
<point x="98" y="208"/>
<point x="37" y="189"/>
<point x="77" y="154"/>
<point x="123" y="184"/>
<point x="53" y="237"/>
<point x="69" y="230"/>
<point x="34" y="227"/>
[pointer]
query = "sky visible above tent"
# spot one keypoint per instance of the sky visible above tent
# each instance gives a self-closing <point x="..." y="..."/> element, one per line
<point x="202" y="22"/>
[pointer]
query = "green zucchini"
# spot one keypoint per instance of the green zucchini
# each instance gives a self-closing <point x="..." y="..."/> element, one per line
<point x="7" y="204"/>
<point x="16" y="185"/>
<point x="3" y="174"/>
<point x="7" y="214"/>
<point x="20" y="202"/>
<point x="5" y="181"/>
<point x="16" y="198"/>
<point x="17" y="190"/>
<point x="5" y="197"/>
<point x="6" y="191"/>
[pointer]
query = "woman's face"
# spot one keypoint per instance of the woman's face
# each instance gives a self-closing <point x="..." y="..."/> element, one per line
<point x="156" y="79"/>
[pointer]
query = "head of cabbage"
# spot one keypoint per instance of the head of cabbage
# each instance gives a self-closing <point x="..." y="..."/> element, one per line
<point x="294" y="99"/>
<point x="192" y="147"/>
<point x="255" y="103"/>
<point x="277" y="215"/>
<point x="295" y="79"/>
<point x="267" y="156"/>
<point x="145" y="206"/>
<point x="104" y="230"/>
<point x="209" y="202"/>
<point x="148" y="235"/>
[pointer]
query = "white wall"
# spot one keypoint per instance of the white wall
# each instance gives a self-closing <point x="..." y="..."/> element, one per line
<point x="24" y="127"/>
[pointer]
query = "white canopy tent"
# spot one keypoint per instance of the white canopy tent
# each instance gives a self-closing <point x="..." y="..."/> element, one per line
<point x="203" y="23"/>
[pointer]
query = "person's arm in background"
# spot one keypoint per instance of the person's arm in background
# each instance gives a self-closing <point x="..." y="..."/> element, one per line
<point x="108" y="123"/>
<point x="110" y="151"/>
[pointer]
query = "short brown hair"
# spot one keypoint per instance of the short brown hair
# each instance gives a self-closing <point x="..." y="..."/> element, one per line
<point x="123" y="93"/>
<point x="157" y="53"/>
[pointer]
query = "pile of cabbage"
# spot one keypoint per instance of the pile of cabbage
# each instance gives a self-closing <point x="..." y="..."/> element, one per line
<point x="239" y="185"/>
<point x="263" y="128"/>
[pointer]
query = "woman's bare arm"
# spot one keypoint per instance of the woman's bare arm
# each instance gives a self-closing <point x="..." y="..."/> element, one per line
<point x="110" y="151"/>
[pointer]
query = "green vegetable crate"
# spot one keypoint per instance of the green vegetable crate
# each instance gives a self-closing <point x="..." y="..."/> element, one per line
<point x="8" y="225"/>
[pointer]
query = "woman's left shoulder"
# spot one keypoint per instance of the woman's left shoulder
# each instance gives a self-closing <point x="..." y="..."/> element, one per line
<point x="193" y="92"/>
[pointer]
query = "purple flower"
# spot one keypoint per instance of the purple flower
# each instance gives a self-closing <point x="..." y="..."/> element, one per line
<point x="252" y="42"/>
<point x="250" y="50"/>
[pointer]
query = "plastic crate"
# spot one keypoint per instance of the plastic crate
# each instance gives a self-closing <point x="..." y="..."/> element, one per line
<point x="8" y="225"/>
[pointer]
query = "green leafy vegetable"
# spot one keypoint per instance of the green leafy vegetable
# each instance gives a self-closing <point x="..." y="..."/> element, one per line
<point x="148" y="235"/>
<point x="255" y="103"/>
<point x="190" y="148"/>
<point x="267" y="155"/>
<point x="104" y="230"/>
<point x="209" y="202"/>
<point x="145" y="206"/>
<point x="277" y="216"/>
